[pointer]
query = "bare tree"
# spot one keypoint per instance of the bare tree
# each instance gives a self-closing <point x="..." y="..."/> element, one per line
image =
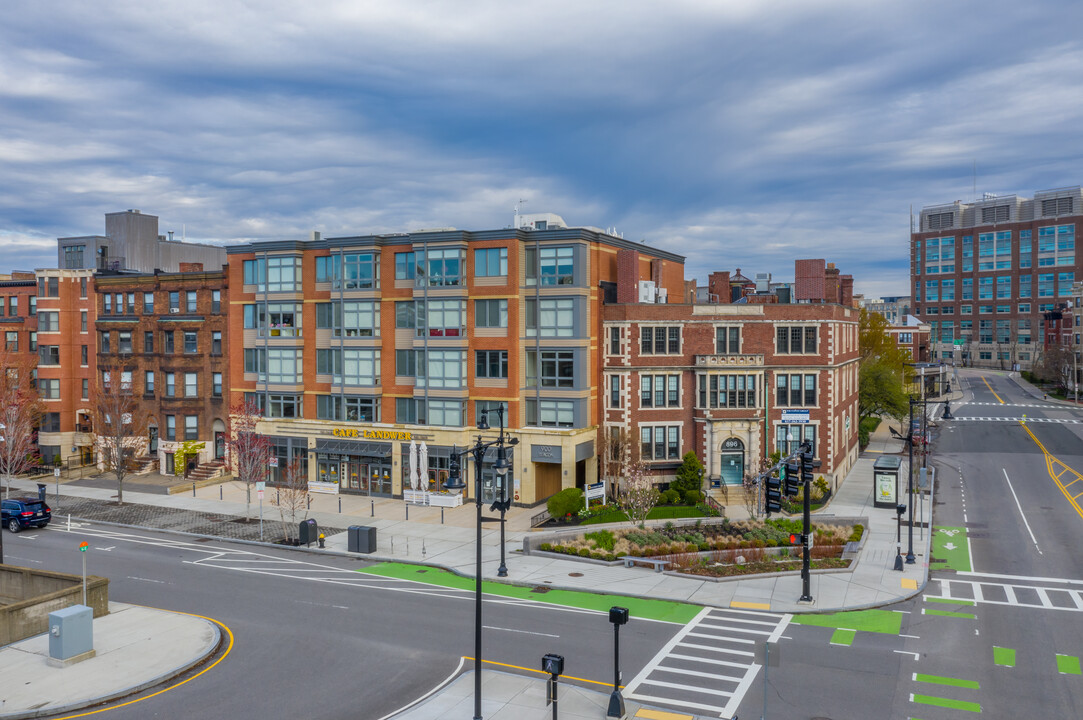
<point x="249" y="450"/>
<point x="638" y="495"/>
<point x="614" y="444"/>
<point x="21" y="410"/>
<point x="292" y="499"/>
<point x="120" y="423"/>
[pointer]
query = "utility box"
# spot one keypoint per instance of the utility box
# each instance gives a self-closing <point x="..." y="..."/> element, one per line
<point x="885" y="481"/>
<point x="71" y="635"/>
<point x="361" y="539"/>
<point x="308" y="532"/>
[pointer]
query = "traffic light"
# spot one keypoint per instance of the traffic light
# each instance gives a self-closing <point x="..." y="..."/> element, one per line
<point x="774" y="494"/>
<point x="792" y="477"/>
<point x="806" y="468"/>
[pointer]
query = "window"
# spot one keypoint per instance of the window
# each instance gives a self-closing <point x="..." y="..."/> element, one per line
<point x="255" y="360"/>
<point x="553" y="368"/>
<point x="614" y="391"/>
<point x="660" y="340"/>
<point x="728" y="391"/>
<point x="190" y="301"/>
<point x="73" y="257"/>
<point x="405" y="314"/>
<point x="1024" y="308"/>
<point x="216" y="301"/>
<point x="406" y="362"/>
<point x="49" y="388"/>
<point x="491" y="364"/>
<point x="284" y="365"/>
<point x="789" y="437"/>
<point x="191" y="427"/>
<point x="556" y="266"/>
<point x="445" y="412"/>
<point x="216" y="384"/>
<point x="660" y="443"/>
<point x="795" y="340"/>
<point x="124" y="342"/>
<point x="1025" y="286"/>
<point x="550" y="317"/>
<point x="550" y="413"/>
<point x="170" y="384"/>
<point x="275" y="274"/>
<point x="360" y="271"/>
<point x="49" y="355"/>
<point x="170" y="427"/>
<point x="410" y="411"/>
<point x="191" y="384"/>
<point x="216" y="342"/>
<point x="349" y="319"/>
<point x="947" y="289"/>
<point x="86" y="389"/>
<point x="148" y="382"/>
<point x="350" y="408"/>
<point x="50" y="423"/>
<point x="174" y="301"/>
<point x="49" y="321"/>
<point x="103" y="341"/>
<point x="1046" y="285"/>
<point x="968" y="289"/>
<point x="659" y="391"/>
<point x="283" y="406"/>
<point x="148" y="303"/>
<point x="33" y="306"/>
<point x="82" y="287"/>
<point x="33" y="344"/>
<point x="490" y="262"/>
<point x="191" y="342"/>
<point x="409" y="265"/>
<point x="614" y="341"/>
<point x="13" y="303"/>
<point x="727" y="340"/>
<point x="274" y="319"/>
<point x="11" y="341"/>
<point x="443" y="318"/>
<point x="795" y="390"/>
<point x="444" y="267"/>
<point x="491" y="313"/>
<point x="82" y="321"/>
<point x="442" y="369"/>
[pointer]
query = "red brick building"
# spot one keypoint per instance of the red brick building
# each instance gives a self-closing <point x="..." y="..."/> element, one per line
<point x="170" y="332"/>
<point x="732" y="382"/>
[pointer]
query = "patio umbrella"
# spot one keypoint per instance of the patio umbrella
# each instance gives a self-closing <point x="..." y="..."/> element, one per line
<point x="413" y="465"/>
<point x="423" y="465"/>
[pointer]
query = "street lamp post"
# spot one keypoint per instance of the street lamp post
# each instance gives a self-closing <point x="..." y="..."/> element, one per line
<point x="910" y="558"/>
<point x="455" y="482"/>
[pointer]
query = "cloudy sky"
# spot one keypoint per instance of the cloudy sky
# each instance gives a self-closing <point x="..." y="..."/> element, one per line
<point x="739" y="133"/>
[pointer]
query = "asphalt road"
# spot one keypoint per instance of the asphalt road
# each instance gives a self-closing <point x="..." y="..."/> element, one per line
<point x="315" y="639"/>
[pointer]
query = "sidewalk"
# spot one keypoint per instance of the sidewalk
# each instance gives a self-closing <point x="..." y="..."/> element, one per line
<point x="447" y="540"/>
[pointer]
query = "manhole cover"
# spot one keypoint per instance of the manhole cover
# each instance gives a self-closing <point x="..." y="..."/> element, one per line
<point x="539" y="589"/>
<point x="575" y="574"/>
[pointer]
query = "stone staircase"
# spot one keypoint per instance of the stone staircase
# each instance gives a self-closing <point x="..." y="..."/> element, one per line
<point x="146" y="464"/>
<point x="206" y="471"/>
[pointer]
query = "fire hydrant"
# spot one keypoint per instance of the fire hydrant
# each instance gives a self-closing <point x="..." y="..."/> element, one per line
<point x="322" y="546"/>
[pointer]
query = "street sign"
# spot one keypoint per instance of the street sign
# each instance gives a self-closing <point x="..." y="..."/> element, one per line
<point x="259" y="494"/>
<point x="795" y="416"/>
<point x="83" y="546"/>
<point x="260" y="486"/>
<point x="960" y="342"/>
<point x="596" y="490"/>
<point x="273" y="462"/>
<point x="56" y="472"/>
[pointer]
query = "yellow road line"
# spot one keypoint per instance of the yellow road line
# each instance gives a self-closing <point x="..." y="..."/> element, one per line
<point x="520" y="667"/>
<point x="991" y="390"/>
<point x="1049" y="460"/>
<point x="750" y="605"/>
<point x="148" y="697"/>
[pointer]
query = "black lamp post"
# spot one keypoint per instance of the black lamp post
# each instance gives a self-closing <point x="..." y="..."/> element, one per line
<point x="455" y="482"/>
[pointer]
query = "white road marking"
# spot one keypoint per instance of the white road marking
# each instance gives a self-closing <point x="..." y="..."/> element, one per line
<point x="516" y="630"/>
<point x="1032" y="538"/>
<point x="158" y="582"/>
<point x="905" y="652"/>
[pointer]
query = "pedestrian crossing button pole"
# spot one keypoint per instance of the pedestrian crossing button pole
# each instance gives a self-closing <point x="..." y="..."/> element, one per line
<point x="554" y="665"/>
<point x="618" y="616"/>
<point x="82" y="550"/>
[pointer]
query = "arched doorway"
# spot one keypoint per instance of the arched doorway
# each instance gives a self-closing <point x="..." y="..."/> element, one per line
<point x="731" y="461"/>
<point x="219" y="429"/>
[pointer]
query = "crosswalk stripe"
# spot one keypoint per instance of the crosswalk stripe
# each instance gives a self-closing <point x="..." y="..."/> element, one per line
<point x="698" y="673"/>
<point x="736" y="640"/>
<point x="752" y="631"/>
<point x="718" y="649"/>
<point x="679" y="703"/>
<point x="692" y="688"/>
<point x="983" y="593"/>
<point x="696" y="658"/>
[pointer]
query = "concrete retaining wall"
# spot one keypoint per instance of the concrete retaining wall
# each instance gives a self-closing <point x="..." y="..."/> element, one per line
<point x="30" y="595"/>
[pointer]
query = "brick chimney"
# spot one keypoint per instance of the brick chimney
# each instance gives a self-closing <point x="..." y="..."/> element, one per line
<point x="831" y="284"/>
<point x="627" y="276"/>
<point x="718" y="284"/>
<point x="809" y="280"/>
<point x="846" y="290"/>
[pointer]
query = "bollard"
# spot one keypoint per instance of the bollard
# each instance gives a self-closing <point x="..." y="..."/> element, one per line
<point x="193" y="489"/>
<point x="340" y="504"/>
<point x="219" y="492"/>
<point x="441" y="516"/>
<point x="373" y="507"/>
<point x="309" y="506"/>
<point x="407" y="511"/>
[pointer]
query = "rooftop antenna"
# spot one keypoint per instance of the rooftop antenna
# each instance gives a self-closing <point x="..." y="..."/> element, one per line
<point x="518" y="207"/>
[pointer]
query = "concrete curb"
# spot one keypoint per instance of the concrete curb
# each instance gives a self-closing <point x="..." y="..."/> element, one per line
<point x="125" y="692"/>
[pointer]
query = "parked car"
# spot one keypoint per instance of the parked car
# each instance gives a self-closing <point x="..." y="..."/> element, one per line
<point x="21" y="513"/>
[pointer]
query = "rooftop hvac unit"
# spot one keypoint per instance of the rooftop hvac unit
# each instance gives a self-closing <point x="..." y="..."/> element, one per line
<point x="663" y="295"/>
<point x="174" y="310"/>
<point x="648" y="291"/>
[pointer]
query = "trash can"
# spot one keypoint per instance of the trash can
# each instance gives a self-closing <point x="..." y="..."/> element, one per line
<point x="308" y="532"/>
<point x="361" y="539"/>
<point x="41" y="492"/>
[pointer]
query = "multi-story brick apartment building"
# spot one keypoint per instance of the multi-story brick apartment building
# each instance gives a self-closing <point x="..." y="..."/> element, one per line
<point x="66" y="313"/>
<point x="985" y="272"/>
<point x="170" y="331"/>
<point x="355" y="346"/>
<point x="18" y="314"/>
<point x="733" y="382"/>
<point x="894" y="308"/>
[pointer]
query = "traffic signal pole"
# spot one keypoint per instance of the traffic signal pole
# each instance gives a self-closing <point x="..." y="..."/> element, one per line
<point x="806" y="570"/>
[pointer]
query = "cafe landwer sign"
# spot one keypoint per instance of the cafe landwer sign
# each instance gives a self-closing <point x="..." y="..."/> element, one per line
<point x="368" y="434"/>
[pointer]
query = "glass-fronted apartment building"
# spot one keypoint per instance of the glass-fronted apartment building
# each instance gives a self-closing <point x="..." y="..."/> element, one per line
<point x="984" y="273"/>
<point x="355" y="346"/>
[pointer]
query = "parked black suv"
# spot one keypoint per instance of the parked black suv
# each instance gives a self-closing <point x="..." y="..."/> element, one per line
<point x="20" y="513"/>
